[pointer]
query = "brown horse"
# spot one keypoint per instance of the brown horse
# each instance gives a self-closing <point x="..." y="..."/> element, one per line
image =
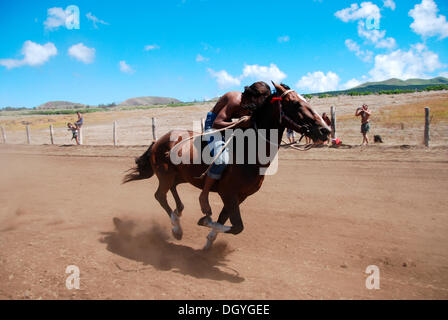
<point x="285" y="109"/>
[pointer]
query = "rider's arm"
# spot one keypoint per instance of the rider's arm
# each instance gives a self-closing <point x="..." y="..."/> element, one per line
<point x="221" y="120"/>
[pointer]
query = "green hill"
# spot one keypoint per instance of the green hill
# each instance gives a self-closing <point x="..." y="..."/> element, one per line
<point x="394" y="86"/>
<point x="397" y="83"/>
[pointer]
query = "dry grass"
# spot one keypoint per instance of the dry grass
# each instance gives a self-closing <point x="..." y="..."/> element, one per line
<point x="59" y="121"/>
<point x="409" y="114"/>
<point x="414" y="113"/>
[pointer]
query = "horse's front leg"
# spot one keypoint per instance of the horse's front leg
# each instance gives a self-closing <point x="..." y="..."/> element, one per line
<point x="231" y="210"/>
<point x="211" y="237"/>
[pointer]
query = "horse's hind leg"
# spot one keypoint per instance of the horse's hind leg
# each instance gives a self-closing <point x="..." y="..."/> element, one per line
<point x="166" y="183"/>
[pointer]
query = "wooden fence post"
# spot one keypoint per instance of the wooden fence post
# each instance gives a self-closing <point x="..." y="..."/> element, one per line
<point x="4" y="134"/>
<point x="51" y="134"/>
<point x="115" y="133"/>
<point x="80" y="136"/>
<point x="154" y="129"/>
<point x="28" y="134"/>
<point x="333" y="122"/>
<point x="427" y="135"/>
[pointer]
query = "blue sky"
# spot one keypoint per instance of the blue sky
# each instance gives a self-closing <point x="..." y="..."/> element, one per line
<point x="199" y="49"/>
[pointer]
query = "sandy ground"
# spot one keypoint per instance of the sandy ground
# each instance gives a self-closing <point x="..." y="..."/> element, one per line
<point x="135" y="127"/>
<point x="310" y="233"/>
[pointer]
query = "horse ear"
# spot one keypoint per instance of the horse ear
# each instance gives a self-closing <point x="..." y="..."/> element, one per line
<point x="279" y="89"/>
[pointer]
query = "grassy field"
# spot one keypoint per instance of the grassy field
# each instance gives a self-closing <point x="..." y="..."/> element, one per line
<point x="411" y="114"/>
<point x="60" y="118"/>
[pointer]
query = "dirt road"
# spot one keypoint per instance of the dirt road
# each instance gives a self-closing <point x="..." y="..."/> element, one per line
<point x="310" y="233"/>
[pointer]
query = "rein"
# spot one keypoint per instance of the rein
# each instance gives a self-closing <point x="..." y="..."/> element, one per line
<point x="208" y="133"/>
<point x="302" y="129"/>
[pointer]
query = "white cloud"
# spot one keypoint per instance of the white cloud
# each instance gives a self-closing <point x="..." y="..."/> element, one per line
<point x="283" y="39"/>
<point x="200" y="58"/>
<point x="319" y="82"/>
<point x="351" y="84"/>
<point x="415" y="63"/>
<point x="372" y="35"/>
<point x="444" y="74"/>
<point x="365" y="56"/>
<point x="151" y="47"/>
<point x="95" y="20"/>
<point x="388" y="43"/>
<point x="376" y="37"/>
<point x="254" y="72"/>
<point x="356" y="12"/>
<point x="82" y="53"/>
<point x="56" y="18"/>
<point x="224" y="79"/>
<point x="426" y="21"/>
<point x="263" y="73"/>
<point x="389" y="4"/>
<point x="124" y="67"/>
<point x="34" y="55"/>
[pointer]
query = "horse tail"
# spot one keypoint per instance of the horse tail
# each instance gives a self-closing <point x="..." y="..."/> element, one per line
<point x="143" y="169"/>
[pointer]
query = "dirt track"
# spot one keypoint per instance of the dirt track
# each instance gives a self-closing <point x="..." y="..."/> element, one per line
<point x="310" y="232"/>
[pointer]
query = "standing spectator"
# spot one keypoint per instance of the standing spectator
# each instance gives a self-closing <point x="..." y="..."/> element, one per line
<point x="365" y="114"/>
<point x="326" y="119"/>
<point x="290" y="135"/>
<point x="328" y="122"/>
<point x="74" y="130"/>
<point x="78" y="125"/>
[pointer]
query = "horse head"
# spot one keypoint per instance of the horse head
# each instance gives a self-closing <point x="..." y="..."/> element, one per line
<point x="295" y="113"/>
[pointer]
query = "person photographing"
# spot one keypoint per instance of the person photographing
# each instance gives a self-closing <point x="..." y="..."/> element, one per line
<point x="365" y="114"/>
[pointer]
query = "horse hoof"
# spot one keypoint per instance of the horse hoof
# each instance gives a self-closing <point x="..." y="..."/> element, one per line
<point x="177" y="233"/>
<point x="205" y="221"/>
<point x="208" y="245"/>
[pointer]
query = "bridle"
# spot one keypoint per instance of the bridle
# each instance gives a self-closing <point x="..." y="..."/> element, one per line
<point x="303" y="129"/>
<point x="286" y="121"/>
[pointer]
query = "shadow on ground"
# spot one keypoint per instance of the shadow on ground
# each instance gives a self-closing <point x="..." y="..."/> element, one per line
<point x="152" y="247"/>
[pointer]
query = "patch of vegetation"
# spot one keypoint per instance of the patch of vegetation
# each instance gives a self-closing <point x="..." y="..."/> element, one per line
<point x="308" y="96"/>
<point x="381" y="91"/>
<point x="359" y="93"/>
<point x="437" y="87"/>
<point x="64" y="111"/>
<point x="180" y="104"/>
<point x="110" y="105"/>
<point x="12" y="109"/>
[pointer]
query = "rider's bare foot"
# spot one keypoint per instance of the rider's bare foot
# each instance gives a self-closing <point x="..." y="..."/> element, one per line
<point x="205" y="206"/>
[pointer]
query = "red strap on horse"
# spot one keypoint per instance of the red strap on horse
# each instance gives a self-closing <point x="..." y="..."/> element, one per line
<point x="276" y="99"/>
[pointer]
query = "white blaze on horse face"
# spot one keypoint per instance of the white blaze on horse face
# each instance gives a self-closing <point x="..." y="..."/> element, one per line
<point x="302" y="98"/>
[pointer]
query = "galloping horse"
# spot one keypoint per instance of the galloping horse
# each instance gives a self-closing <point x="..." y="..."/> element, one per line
<point x="284" y="109"/>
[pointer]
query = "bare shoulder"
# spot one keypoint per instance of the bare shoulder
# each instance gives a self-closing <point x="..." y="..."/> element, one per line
<point x="229" y="100"/>
<point x="233" y="97"/>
